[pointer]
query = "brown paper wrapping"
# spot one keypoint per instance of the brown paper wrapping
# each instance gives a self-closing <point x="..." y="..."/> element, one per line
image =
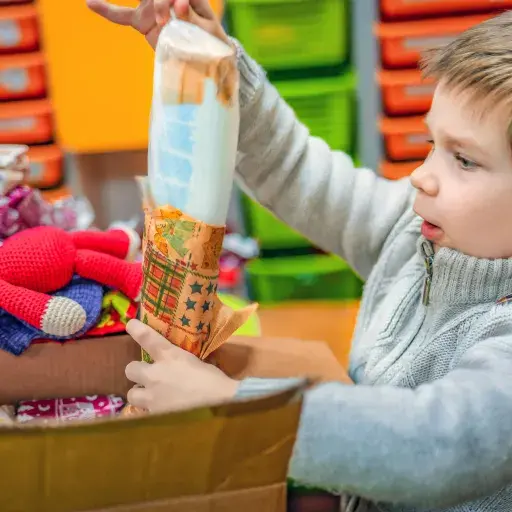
<point x="181" y="270"/>
<point x="183" y="80"/>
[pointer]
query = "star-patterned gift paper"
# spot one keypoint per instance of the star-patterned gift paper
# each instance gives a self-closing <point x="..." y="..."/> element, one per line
<point x="179" y="293"/>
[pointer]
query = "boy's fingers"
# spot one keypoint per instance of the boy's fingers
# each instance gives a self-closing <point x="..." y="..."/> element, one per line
<point x="138" y="372"/>
<point x="183" y="9"/>
<point x="139" y="397"/>
<point x="163" y="10"/>
<point x="203" y="8"/>
<point x="114" y="13"/>
<point x="149" y="340"/>
<point x="194" y="18"/>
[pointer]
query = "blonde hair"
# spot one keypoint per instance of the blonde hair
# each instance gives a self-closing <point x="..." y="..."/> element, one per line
<point x="478" y="61"/>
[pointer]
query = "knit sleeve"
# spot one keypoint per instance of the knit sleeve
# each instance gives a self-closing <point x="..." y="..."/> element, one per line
<point x="441" y="444"/>
<point x="317" y="191"/>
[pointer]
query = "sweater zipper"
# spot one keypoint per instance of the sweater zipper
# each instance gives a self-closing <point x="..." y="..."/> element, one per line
<point x="429" y="265"/>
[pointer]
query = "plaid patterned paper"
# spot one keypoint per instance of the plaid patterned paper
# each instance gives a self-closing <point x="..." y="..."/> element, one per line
<point x="179" y="293"/>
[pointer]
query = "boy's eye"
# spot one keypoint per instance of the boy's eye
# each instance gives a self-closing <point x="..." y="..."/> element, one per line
<point x="464" y="163"/>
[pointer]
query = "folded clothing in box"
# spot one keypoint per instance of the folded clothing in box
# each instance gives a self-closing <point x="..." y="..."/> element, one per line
<point x="68" y="409"/>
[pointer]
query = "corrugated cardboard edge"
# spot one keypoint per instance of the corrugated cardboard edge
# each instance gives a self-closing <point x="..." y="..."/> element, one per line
<point x="228" y="449"/>
<point x="271" y="498"/>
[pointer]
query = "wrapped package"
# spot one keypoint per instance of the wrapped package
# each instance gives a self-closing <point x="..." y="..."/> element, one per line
<point x="68" y="409"/>
<point x="194" y="123"/>
<point x="6" y="416"/>
<point x="13" y="166"/>
<point x="192" y="152"/>
<point x="23" y="207"/>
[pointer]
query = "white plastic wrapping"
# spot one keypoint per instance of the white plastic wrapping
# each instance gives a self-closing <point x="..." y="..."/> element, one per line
<point x="194" y="123"/>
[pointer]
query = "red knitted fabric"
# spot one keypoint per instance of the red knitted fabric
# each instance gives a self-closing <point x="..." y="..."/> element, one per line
<point x="41" y="260"/>
<point x="114" y="242"/>
<point x="103" y="268"/>
<point x="30" y="308"/>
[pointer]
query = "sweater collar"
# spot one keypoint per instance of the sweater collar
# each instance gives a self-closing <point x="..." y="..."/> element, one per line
<point x="460" y="279"/>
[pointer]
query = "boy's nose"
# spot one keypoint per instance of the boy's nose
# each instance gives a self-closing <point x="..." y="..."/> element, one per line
<point x="424" y="180"/>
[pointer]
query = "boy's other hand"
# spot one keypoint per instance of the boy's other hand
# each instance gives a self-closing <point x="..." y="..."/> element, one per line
<point x="176" y="380"/>
<point x="151" y="15"/>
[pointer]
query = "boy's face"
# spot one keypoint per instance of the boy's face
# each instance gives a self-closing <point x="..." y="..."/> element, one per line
<point x="465" y="185"/>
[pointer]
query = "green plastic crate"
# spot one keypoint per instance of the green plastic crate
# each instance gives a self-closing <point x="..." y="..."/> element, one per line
<point x="288" y="34"/>
<point x="317" y="277"/>
<point x="252" y="327"/>
<point x="326" y="107"/>
<point x="268" y="230"/>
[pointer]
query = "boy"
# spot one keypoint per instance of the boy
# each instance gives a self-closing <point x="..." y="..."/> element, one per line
<point x="428" y="425"/>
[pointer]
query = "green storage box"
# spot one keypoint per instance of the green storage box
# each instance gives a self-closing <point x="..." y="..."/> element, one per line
<point x="252" y="327"/>
<point x="327" y="107"/>
<point x="321" y="277"/>
<point x="268" y="230"/>
<point x="290" y="34"/>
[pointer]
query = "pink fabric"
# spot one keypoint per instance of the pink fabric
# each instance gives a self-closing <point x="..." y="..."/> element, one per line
<point x="69" y="409"/>
<point x="23" y="207"/>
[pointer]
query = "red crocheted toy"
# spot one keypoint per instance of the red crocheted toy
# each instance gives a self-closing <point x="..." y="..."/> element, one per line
<point x="41" y="260"/>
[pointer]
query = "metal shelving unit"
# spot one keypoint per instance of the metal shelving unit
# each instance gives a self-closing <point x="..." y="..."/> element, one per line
<point x="365" y="13"/>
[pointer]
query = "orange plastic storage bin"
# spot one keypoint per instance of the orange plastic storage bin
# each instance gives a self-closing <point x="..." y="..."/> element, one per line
<point x="402" y="43"/>
<point x="395" y="9"/>
<point x="18" y="28"/>
<point x="26" y="122"/>
<point x="57" y="194"/>
<point x="22" y="76"/>
<point x="405" y="138"/>
<point x="398" y="170"/>
<point x="100" y="76"/>
<point x="46" y="170"/>
<point x="405" y="92"/>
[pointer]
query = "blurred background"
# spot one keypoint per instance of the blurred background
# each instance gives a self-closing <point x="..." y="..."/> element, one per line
<point x="77" y="89"/>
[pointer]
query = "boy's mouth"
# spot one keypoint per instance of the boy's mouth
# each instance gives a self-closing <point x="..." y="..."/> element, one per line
<point x="430" y="231"/>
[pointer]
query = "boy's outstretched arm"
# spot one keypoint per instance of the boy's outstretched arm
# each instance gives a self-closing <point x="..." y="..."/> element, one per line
<point x="441" y="444"/>
<point x="317" y="191"/>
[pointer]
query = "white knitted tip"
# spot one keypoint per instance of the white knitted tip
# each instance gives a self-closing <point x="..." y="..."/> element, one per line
<point x="134" y="240"/>
<point x="63" y="317"/>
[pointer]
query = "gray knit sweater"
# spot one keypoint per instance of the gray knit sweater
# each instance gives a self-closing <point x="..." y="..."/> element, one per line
<point x="428" y="425"/>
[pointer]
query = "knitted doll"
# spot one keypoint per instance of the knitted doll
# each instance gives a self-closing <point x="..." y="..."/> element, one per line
<point x="38" y="261"/>
<point x="16" y="336"/>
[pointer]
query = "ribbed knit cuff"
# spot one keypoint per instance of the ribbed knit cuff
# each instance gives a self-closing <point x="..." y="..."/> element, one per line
<point x="251" y="75"/>
<point x="257" y="388"/>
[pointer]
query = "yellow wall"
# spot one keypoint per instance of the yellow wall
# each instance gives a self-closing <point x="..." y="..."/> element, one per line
<point x="100" y="78"/>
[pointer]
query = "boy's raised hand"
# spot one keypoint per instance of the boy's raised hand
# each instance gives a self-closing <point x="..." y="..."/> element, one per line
<point x="151" y="15"/>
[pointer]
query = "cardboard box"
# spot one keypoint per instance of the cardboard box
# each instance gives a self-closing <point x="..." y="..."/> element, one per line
<point x="226" y="458"/>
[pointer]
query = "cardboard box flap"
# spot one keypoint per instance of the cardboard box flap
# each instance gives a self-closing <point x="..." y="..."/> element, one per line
<point x="279" y="357"/>
<point x="92" y="366"/>
<point x="96" y="366"/>
<point x="121" y="462"/>
<point x="195" y="459"/>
